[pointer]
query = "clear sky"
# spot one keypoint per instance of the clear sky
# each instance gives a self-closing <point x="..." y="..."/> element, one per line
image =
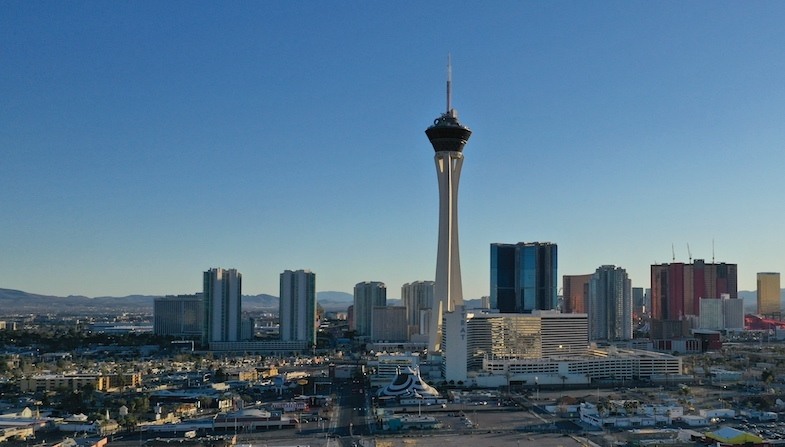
<point x="143" y="142"/>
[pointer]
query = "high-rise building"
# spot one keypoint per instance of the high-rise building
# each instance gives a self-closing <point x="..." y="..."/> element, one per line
<point x="523" y="277"/>
<point x="769" y="294"/>
<point x="389" y="324"/>
<point x="222" y="291"/>
<point x="676" y="288"/>
<point x="638" y="302"/>
<point x="721" y="314"/>
<point x="575" y="289"/>
<point x="610" y="304"/>
<point x="179" y="316"/>
<point x="711" y="315"/>
<point x="448" y="137"/>
<point x="248" y="329"/>
<point x="297" y="311"/>
<point x="733" y="313"/>
<point x="417" y="297"/>
<point x="367" y="295"/>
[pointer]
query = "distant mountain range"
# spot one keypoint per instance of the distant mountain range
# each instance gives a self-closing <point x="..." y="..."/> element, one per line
<point x="19" y="302"/>
<point x="16" y="301"/>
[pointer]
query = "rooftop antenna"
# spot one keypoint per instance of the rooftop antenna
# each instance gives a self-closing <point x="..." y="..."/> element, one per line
<point x="712" y="250"/>
<point x="673" y="253"/>
<point x="689" y="252"/>
<point x="449" y="83"/>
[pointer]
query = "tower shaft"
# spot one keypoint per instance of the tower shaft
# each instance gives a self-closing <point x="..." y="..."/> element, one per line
<point x="448" y="289"/>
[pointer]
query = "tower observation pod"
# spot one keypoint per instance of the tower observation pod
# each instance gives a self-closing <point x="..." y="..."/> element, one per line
<point x="448" y="137"/>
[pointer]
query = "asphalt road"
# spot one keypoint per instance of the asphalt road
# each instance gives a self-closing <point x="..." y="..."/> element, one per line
<point x="351" y="413"/>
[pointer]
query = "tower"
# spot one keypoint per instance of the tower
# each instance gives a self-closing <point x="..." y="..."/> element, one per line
<point x="448" y="137"/>
<point x="417" y="297"/>
<point x="610" y="304"/>
<point x="575" y="289"/>
<point x="638" y="302"/>
<point x="222" y="291"/>
<point x="367" y="296"/>
<point x="768" y="294"/>
<point x="523" y="277"/>
<point x="676" y="288"/>
<point x="297" y="310"/>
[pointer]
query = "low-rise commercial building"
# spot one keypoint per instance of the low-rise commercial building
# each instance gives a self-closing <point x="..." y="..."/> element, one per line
<point x="598" y="364"/>
<point x="75" y="382"/>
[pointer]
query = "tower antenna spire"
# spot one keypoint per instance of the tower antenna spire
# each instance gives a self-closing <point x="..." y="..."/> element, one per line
<point x="449" y="83"/>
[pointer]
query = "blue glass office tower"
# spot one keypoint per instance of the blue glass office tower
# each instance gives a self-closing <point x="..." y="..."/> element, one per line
<point x="523" y="277"/>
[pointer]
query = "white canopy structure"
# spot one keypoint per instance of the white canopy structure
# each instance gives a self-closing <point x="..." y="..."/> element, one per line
<point x="408" y="383"/>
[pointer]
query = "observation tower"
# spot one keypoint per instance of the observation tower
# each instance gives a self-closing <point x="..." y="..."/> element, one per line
<point x="448" y="137"/>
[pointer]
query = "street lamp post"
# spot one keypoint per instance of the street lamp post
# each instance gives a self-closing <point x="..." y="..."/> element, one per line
<point x="537" y="385"/>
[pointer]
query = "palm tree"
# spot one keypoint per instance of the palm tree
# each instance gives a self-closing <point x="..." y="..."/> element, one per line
<point x="631" y="406"/>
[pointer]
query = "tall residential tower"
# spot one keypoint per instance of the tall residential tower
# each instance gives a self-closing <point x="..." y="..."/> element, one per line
<point x="297" y="311"/>
<point x="448" y="137"/>
<point x="417" y="297"/>
<point x="367" y="295"/>
<point x="610" y="304"/>
<point x="222" y="291"/>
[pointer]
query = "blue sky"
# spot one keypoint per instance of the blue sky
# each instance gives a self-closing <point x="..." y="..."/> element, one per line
<point x="144" y="142"/>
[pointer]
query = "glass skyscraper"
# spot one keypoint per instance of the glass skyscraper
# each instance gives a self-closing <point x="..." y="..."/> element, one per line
<point x="575" y="290"/>
<point x="523" y="277"/>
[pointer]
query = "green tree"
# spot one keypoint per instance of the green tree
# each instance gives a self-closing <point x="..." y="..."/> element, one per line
<point x="129" y="422"/>
<point x="73" y="402"/>
<point x="219" y="375"/>
<point x="139" y="406"/>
